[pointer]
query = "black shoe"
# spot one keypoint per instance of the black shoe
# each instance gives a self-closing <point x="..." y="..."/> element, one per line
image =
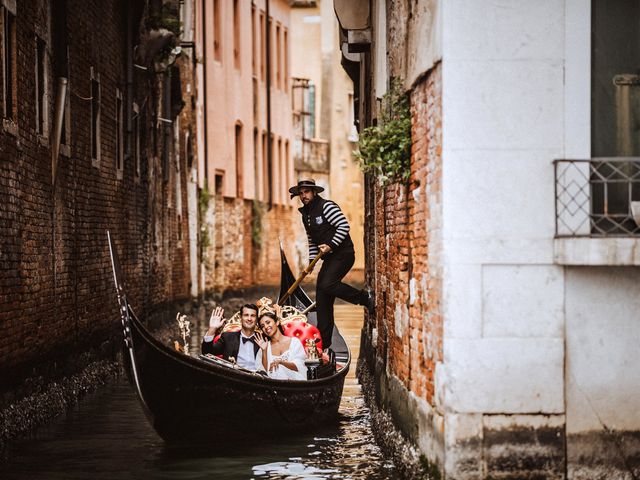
<point x="370" y="301"/>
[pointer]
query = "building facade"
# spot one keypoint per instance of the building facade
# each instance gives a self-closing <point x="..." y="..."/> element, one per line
<point x="245" y="59"/>
<point x="506" y="268"/>
<point x="93" y="138"/>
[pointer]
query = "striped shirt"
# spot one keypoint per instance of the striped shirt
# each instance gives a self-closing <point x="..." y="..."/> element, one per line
<point x="335" y="217"/>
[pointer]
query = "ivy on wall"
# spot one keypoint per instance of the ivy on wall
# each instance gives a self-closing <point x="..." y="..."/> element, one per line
<point x="257" y="212"/>
<point x="203" y="206"/>
<point x="384" y="150"/>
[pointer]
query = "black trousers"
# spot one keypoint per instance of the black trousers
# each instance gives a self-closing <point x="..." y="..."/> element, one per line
<point x="329" y="286"/>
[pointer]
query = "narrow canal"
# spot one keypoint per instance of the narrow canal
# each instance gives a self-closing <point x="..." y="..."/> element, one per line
<point x="107" y="436"/>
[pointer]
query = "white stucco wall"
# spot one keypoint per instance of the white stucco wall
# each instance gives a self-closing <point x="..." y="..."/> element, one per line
<point x="527" y="328"/>
<point x="603" y="334"/>
<point x="503" y="124"/>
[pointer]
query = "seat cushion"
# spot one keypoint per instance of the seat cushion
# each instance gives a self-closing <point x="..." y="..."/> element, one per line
<point x="303" y="331"/>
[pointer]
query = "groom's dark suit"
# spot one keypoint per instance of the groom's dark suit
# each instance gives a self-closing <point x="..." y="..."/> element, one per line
<point x="227" y="345"/>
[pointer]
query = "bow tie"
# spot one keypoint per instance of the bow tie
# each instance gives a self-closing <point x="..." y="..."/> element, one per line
<point x="246" y="339"/>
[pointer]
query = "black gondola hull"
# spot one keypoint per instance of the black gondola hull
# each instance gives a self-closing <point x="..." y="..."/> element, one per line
<point x="186" y="398"/>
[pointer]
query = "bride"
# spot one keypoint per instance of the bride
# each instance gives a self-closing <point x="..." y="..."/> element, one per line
<point x="280" y="356"/>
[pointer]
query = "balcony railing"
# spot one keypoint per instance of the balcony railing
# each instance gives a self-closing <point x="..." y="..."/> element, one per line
<point x="594" y="197"/>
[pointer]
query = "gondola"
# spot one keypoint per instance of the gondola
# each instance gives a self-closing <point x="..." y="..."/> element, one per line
<point x="188" y="399"/>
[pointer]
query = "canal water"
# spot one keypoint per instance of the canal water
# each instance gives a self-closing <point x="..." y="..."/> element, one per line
<point x="106" y="436"/>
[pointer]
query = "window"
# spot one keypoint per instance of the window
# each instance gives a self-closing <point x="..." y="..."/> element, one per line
<point x="281" y="175"/>
<point x="95" y="119"/>
<point x="189" y="146"/>
<point x="253" y="41"/>
<point x="304" y="108"/>
<point x="615" y="79"/>
<point x="615" y="103"/>
<point x="219" y="184"/>
<point x="236" y="34"/>
<point x="9" y="53"/>
<point x="270" y="61"/>
<point x="119" y="153"/>
<point x="136" y="140"/>
<point x="217" y="47"/>
<point x="278" y="57"/>
<point x="310" y="107"/>
<point x="286" y="60"/>
<point x="239" y="165"/>
<point x="273" y="171"/>
<point x="266" y="170"/>
<point x="288" y="175"/>
<point x="178" y="181"/>
<point x="255" y="163"/>
<point x="353" y="130"/>
<point x="263" y="46"/>
<point x="41" y="88"/>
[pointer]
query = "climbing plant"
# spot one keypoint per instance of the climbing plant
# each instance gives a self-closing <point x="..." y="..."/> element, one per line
<point x="203" y="205"/>
<point x="167" y="17"/>
<point x="257" y="213"/>
<point x="163" y="31"/>
<point x="384" y="150"/>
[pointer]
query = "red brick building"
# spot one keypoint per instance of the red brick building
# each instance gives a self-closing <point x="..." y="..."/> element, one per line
<point x="123" y="165"/>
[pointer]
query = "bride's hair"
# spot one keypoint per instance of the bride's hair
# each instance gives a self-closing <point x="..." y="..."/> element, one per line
<point x="274" y="317"/>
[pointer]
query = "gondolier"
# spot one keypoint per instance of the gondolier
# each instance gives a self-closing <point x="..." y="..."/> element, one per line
<point x="328" y="232"/>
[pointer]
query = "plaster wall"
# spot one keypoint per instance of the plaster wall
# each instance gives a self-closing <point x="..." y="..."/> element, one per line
<point x="415" y="32"/>
<point x="526" y="327"/>
<point x="281" y="113"/>
<point x="235" y="96"/>
<point x="602" y="349"/>
<point x="502" y="127"/>
<point x="224" y="108"/>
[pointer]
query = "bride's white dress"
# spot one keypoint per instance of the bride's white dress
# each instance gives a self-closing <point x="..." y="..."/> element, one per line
<point x="295" y="354"/>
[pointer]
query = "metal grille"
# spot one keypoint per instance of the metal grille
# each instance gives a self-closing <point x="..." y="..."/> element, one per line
<point x="594" y="198"/>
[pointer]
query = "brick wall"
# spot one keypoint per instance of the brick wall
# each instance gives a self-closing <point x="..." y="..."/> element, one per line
<point x="57" y="294"/>
<point x="407" y="240"/>
<point x="244" y="248"/>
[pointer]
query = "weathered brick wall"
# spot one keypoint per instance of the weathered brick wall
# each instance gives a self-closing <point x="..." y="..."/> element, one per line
<point x="57" y="294"/>
<point x="407" y="242"/>
<point x="425" y="208"/>
<point x="244" y="248"/>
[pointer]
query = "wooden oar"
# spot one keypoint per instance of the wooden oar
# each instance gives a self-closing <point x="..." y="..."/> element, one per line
<point x="303" y="274"/>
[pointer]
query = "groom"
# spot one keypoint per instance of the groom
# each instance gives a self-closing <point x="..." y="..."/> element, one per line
<point x="240" y="345"/>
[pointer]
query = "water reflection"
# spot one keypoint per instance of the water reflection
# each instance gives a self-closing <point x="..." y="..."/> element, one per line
<point x="107" y="436"/>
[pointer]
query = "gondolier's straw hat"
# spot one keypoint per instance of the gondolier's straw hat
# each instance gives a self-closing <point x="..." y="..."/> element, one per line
<point x="295" y="190"/>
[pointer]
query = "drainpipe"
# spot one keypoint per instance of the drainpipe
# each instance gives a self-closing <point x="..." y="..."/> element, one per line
<point x="204" y="91"/>
<point x="58" y="118"/>
<point x="268" y="83"/>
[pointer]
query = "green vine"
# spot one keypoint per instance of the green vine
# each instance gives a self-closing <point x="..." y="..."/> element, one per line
<point x="168" y="17"/>
<point x="257" y="212"/>
<point x="384" y="150"/>
<point x="203" y="205"/>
